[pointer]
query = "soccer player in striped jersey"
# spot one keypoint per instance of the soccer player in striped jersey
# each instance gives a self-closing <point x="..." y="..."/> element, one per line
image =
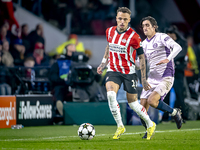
<point x="120" y="54"/>
<point x="159" y="50"/>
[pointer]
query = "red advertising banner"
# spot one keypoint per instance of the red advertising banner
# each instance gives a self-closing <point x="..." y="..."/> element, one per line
<point x="7" y="111"/>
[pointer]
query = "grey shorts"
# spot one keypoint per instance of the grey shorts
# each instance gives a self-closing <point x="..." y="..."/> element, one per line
<point x="161" y="87"/>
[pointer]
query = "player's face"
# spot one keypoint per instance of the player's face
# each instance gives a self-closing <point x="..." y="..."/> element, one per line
<point x="148" y="29"/>
<point x="122" y="21"/>
<point x="71" y="49"/>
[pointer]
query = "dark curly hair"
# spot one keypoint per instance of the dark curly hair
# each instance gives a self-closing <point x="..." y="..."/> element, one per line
<point x="152" y="21"/>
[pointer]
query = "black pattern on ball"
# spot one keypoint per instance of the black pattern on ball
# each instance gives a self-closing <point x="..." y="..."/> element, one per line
<point x="86" y="131"/>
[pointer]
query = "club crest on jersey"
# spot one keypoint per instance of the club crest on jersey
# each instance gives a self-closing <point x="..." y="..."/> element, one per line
<point x="124" y="40"/>
<point x="109" y="37"/>
<point x="155" y="45"/>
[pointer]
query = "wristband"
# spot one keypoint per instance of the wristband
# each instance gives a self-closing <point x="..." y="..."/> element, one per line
<point x="104" y="60"/>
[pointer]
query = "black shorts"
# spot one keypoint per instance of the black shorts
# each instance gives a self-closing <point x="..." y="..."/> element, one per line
<point x="129" y="80"/>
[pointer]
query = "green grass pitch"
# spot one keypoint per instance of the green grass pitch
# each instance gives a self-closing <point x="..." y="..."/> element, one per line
<point x="167" y="137"/>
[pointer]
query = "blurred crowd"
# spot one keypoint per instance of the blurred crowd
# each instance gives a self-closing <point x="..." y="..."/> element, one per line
<point x="26" y="68"/>
<point x="83" y="13"/>
<point x="89" y="17"/>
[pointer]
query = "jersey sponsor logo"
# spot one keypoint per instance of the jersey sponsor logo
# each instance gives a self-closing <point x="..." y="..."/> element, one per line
<point x="117" y="48"/>
<point x="167" y="38"/>
<point x="155" y="45"/>
<point x="152" y="54"/>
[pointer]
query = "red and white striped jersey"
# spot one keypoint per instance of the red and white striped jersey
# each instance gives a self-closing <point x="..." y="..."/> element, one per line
<point x="122" y="50"/>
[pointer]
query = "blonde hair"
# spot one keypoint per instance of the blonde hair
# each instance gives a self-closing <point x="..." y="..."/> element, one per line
<point x="124" y="10"/>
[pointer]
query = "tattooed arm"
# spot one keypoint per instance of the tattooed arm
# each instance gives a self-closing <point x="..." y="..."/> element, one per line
<point x="145" y="84"/>
<point x="104" y="61"/>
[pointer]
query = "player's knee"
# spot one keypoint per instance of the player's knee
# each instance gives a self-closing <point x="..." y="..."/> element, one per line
<point x="150" y="101"/>
<point x="111" y="95"/>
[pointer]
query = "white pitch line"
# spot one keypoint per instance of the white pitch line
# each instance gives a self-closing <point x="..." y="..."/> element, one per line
<point x="62" y="137"/>
<point x="164" y="131"/>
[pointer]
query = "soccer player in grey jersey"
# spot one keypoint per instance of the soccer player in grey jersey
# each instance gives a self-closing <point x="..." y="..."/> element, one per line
<point x="159" y="50"/>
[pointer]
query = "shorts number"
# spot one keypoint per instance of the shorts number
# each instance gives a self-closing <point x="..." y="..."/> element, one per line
<point x="134" y="85"/>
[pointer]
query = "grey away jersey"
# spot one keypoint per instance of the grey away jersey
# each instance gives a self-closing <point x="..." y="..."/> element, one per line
<point x="156" y="49"/>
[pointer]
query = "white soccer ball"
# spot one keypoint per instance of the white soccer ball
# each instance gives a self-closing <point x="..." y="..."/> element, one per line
<point x="86" y="131"/>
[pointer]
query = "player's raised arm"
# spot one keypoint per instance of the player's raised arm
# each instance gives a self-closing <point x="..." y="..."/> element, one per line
<point x="145" y="84"/>
<point x="104" y="61"/>
<point x="176" y="48"/>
